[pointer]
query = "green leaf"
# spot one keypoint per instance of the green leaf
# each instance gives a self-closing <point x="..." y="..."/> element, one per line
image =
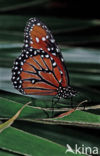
<point x="30" y="113"/>
<point x="21" y="142"/>
<point x="7" y="153"/>
<point x="81" y="118"/>
<point x="8" y="108"/>
<point x="62" y="134"/>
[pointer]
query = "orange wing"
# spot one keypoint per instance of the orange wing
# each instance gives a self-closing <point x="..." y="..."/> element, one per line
<point x="38" y="36"/>
<point x="36" y="73"/>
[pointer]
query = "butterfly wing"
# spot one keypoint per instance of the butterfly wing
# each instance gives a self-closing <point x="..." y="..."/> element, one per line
<point x="36" y="73"/>
<point x="38" y="36"/>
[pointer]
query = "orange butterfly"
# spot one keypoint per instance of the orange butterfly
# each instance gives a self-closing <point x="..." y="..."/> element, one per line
<point x="40" y="69"/>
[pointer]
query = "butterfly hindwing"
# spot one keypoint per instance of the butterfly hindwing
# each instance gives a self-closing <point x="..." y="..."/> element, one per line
<point x="36" y="73"/>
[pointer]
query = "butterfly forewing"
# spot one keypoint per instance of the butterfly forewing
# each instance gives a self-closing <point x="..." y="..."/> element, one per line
<point x="38" y="36"/>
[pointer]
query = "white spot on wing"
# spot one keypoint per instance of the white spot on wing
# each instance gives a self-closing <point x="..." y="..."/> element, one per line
<point x="31" y="42"/>
<point x="42" y="56"/>
<point x="27" y="52"/>
<point x="26" y="56"/>
<point x="48" y="49"/>
<point x="21" y="63"/>
<point x="37" y="39"/>
<point x="54" y="54"/>
<point x="33" y="81"/>
<point x="18" y="72"/>
<point x="16" y="63"/>
<point x="22" y="55"/>
<point x="54" y="64"/>
<point x="19" y="58"/>
<point x="61" y="72"/>
<point x="62" y="59"/>
<point x="30" y="49"/>
<point x="47" y="37"/>
<point x="26" y="41"/>
<point x="16" y="68"/>
<point x="18" y="78"/>
<point x="26" y="45"/>
<point x="52" y="40"/>
<point x="51" y="58"/>
<point x="43" y="38"/>
<point x="19" y="86"/>
<point x="38" y="24"/>
<point x="47" y="56"/>
<point x="35" y="52"/>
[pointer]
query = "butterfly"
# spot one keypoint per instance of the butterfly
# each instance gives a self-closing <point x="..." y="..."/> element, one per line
<point x="40" y="68"/>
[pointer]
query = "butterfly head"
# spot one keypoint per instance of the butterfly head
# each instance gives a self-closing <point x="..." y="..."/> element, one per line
<point x="66" y="92"/>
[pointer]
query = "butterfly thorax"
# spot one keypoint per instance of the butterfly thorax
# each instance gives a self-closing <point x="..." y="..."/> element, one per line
<point x="65" y="92"/>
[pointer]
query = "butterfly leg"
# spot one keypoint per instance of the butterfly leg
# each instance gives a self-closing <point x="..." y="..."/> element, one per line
<point x="84" y="105"/>
<point x="43" y="109"/>
<point x="47" y="114"/>
<point x="54" y="102"/>
<point x="71" y="101"/>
